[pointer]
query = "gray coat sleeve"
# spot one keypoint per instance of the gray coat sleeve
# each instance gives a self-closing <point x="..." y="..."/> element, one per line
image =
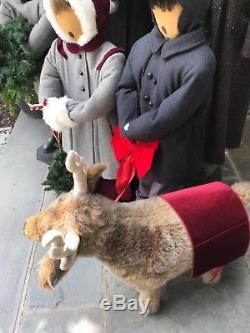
<point x="42" y="34"/>
<point x="103" y="99"/>
<point x="50" y="82"/>
<point x="174" y="111"/>
<point x="41" y="37"/>
<point x="8" y="10"/>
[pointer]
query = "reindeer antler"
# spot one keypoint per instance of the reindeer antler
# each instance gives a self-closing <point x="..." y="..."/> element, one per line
<point x="64" y="248"/>
<point x="76" y="166"/>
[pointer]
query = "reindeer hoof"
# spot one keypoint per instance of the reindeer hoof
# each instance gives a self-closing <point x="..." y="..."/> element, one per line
<point x="212" y="277"/>
<point x="49" y="273"/>
<point x="153" y="305"/>
<point x="153" y="309"/>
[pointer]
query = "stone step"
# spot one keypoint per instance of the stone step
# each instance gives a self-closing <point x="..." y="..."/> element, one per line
<point x="21" y="195"/>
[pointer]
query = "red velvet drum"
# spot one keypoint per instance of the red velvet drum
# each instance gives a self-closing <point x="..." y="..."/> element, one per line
<point x="217" y="223"/>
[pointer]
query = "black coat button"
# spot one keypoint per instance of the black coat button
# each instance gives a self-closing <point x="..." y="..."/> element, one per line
<point x="80" y="56"/>
<point x="155" y="81"/>
<point x="146" y="98"/>
<point x="83" y="89"/>
<point x="150" y="76"/>
<point x="81" y="73"/>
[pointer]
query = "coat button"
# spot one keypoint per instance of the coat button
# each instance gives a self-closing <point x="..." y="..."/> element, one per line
<point x="150" y="76"/>
<point x="155" y="81"/>
<point x="81" y="73"/>
<point x="151" y="104"/>
<point x="146" y="98"/>
<point x="80" y="56"/>
<point x="83" y="89"/>
<point x="234" y="28"/>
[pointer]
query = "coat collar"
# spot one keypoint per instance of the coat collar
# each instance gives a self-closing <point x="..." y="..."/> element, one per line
<point x="94" y="44"/>
<point x="91" y="46"/>
<point x="183" y="43"/>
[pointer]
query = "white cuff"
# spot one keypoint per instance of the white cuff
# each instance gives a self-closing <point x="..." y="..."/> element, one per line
<point x="55" y="114"/>
<point x="126" y="127"/>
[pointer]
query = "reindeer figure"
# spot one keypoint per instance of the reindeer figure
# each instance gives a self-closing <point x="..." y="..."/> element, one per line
<point x="144" y="243"/>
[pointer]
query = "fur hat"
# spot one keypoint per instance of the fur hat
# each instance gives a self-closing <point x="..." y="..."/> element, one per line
<point x="198" y="7"/>
<point x="92" y="14"/>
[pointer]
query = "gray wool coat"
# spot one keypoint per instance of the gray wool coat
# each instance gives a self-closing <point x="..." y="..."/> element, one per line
<point x="92" y="91"/>
<point x="165" y="94"/>
<point x="42" y="34"/>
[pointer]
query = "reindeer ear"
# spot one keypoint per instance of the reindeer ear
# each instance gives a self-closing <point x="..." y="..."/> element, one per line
<point x="94" y="173"/>
<point x="31" y="230"/>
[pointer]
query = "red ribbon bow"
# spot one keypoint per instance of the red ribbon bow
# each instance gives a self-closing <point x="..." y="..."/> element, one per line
<point x="134" y="158"/>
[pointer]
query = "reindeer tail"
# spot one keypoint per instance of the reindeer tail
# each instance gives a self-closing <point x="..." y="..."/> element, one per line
<point x="242" y="189"/>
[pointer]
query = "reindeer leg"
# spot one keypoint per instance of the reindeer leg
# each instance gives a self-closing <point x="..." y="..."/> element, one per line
<point x="152" y="296"/>
<point x="49" y="272"/>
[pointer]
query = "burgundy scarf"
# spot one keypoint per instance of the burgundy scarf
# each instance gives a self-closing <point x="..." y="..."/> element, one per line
<point x="94" y="44"/>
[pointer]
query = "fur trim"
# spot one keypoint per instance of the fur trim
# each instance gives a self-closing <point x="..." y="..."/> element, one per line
<point x="55" y="114"/>
<point x="47" y="5"/>
<point x="86" y="13"/>
<point x="242" y="189"/>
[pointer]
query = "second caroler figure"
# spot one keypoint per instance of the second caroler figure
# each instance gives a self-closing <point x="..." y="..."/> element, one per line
<point x="79" y="79"/>
<point x="165" y="95"/>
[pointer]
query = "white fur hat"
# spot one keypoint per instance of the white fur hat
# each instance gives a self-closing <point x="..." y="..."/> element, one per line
<point x="92" y="14"/>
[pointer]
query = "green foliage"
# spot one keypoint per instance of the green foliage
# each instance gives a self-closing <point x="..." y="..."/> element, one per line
<point x="59" y="178"/>
<point x="17" y="65"/>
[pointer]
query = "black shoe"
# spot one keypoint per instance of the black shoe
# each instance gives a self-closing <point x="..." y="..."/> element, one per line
<point x="26" y="109"/>
<point x="211" y="174"/>
<point x="45" y="152"/>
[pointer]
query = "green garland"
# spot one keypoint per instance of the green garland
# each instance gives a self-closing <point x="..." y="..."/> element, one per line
<point x="17" y="65"/>
<point x="59" y="178"/>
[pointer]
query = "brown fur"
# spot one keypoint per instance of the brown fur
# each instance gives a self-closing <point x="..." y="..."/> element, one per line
<point x="243" y="191"/>
<point x="49" y="272"/>
<point x="143" y="243"/>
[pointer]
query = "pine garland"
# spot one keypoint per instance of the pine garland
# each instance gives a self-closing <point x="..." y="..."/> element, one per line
<point x="18" y="66"/>
<point x="59" y="178"/>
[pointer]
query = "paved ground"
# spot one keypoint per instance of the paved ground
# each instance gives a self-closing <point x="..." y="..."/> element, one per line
<point x="187" y="306"/>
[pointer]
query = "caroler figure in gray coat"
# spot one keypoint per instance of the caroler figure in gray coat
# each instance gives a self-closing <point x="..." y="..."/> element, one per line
<point x="32" y="11"/>
<point x="79" y="80"/>
<point x="165" y="94"/>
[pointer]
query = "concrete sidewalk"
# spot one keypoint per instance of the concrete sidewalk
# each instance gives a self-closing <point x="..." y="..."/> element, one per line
<point x="188" y="306"/>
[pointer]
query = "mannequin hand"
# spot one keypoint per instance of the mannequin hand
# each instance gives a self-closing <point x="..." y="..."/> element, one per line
<point x="35" y="107"/>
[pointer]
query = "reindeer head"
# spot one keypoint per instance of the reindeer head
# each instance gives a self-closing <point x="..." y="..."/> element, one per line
<point x="58" y="225"/>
